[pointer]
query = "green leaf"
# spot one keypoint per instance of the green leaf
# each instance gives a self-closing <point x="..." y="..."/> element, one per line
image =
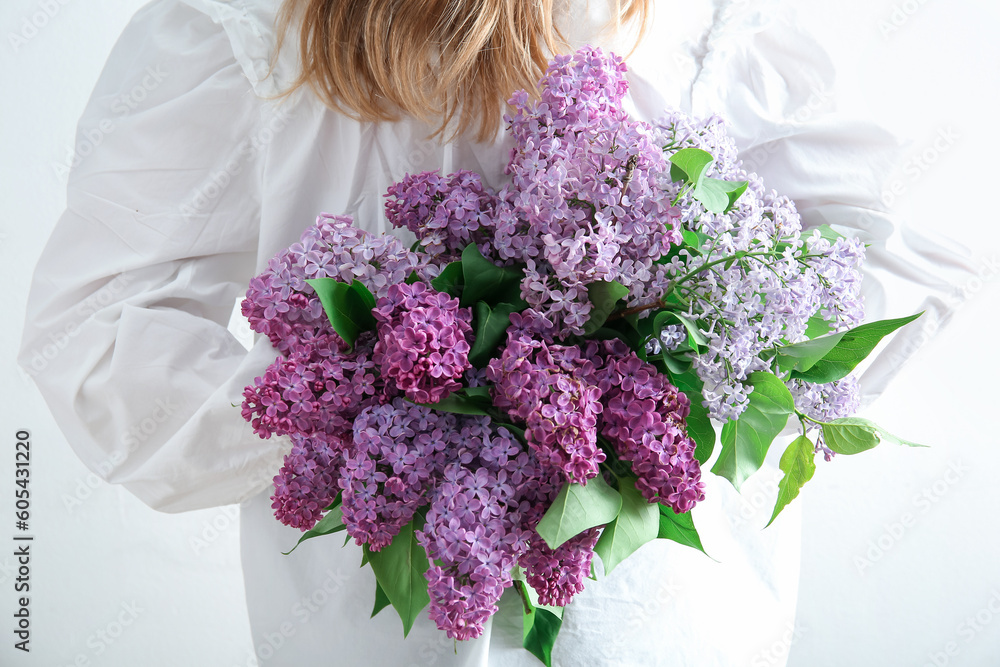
<point x="827" y="232"/>
<point x="485" y="281"/>
<point x="637" y="523"/>
<point x="688" y="381"/>
<point x="746" y="440"/>
<point x="679" y="528"/>
<point x="467" y="401"/>
<point x="695" y="240"/>
<point x="816" y="326"/>
<point x="717" y="195"/>
<point x="676" y="363"/>
<point x="491" y="328"/>
<point x="541" y="628"/>
<point x="577" y="508"/>
<point x="366" y="296"/>
<point x="700" y="428"/>
<point x="690" y="165"/>
<point x="604" y="296"/>
<point x="399" y="569"/>
<point x="412" y="278"/>
<point x="332" y="522"/>
<point x="855" y="345"/>
<point x="450" y="280"/>
<point x="852" y="435"/>
<point x="798" y="463"/>
<point x="346" y="306"/>
<point x="381" y="600"/>
<point x="803" y="356"/>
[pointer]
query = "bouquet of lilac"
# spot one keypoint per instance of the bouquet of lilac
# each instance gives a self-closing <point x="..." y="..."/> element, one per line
<point x="539" y="377"/>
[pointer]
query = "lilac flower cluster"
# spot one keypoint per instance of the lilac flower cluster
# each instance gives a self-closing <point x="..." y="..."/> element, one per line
<point x="559" y="574"/>
<point x="567" y="395"/>
<point x="283" y="306"/>
<point x="765" y="298"/>
<point x="398" y="451"/>
<point x="473" y="533"/>
<point x="581" y="206"/>
<point x="446" y="213"/>
<point x="546" y="386"/>
<point x="422" y="341"/>
<point x="645" y="420"/>
<point x="826" y="402"/>
<point x="308" y="480"/>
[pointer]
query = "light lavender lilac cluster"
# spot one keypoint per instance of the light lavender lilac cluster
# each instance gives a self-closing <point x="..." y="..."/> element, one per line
<point x="767" y="297"/>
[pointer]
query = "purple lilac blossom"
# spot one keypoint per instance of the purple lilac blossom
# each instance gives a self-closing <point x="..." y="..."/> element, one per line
<point x="308" y="481"/>
<point x="474" y="532"/>
<point x="559" y="574"/>
<point x="423" y="341"/>
<point x="826" y="402"/>
<point x="644" y="418"/>
<point x="279" y="302"/>
<point x="548" y="388"/>
<point x="399" y="450"/>
<point x="446" y="213"/>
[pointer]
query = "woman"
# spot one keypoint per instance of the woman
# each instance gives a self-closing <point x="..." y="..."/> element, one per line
<point x="212" y="159"/>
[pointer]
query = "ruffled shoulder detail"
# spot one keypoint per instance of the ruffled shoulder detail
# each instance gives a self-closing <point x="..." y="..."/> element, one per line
<point x="251" y="28"/>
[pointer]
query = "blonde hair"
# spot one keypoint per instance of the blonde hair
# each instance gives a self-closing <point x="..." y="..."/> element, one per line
<point x="431" y="59"/>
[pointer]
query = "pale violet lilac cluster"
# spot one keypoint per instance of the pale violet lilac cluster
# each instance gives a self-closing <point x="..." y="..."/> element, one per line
<point x="764" y="299"/>
<point x="826" y="402"/>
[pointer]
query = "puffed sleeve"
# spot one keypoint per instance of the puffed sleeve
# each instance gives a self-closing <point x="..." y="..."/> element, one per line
<point x="126" y="328"/>
<point x="774" y="85"/>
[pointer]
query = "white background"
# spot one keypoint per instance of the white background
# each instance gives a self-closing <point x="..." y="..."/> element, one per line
<point x="900" y="546"/>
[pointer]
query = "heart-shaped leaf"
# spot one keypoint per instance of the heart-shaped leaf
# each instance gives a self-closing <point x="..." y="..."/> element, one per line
<point x="577" y="508"/>
<point x="637" y="523"/>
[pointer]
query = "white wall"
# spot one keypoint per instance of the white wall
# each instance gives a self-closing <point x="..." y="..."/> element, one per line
<point x="101" y="559"/>
<point x="923" y="518"/>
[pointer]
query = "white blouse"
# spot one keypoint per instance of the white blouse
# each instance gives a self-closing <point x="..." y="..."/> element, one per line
<point x="196" y="179"/>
